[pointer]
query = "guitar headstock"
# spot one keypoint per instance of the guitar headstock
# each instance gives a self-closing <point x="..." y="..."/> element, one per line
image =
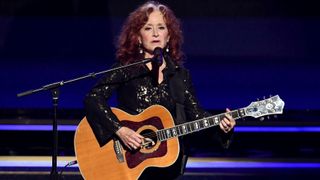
<point x="272" y="105"/>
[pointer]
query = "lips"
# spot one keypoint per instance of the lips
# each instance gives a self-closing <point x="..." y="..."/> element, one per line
<point x="155" y="41"/>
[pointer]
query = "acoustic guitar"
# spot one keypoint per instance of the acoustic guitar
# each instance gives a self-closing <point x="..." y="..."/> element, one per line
<point x="160" y="147"/>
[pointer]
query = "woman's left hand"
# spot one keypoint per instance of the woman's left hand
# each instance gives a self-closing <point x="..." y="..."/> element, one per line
<point x="227" y="123"/>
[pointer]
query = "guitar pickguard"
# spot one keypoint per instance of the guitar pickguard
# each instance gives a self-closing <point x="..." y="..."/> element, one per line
<point x="159" y="149"/>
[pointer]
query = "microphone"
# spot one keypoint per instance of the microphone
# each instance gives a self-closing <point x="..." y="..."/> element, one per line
<point x="156" y="62"/>
<point x="157" y="56"/>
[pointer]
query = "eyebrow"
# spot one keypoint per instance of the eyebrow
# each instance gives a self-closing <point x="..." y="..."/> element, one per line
<point x="159" y="24"/>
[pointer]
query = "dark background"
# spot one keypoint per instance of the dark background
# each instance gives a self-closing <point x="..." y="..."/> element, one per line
<point x="237" y="50"/>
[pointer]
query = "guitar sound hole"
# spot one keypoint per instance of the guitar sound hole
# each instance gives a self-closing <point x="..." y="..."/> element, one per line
<point x="150" y="138"/>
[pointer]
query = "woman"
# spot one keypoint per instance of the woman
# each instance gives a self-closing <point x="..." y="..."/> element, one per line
<point x="149" y="26"/>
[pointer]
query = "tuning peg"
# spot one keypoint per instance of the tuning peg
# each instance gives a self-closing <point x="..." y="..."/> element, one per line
<point x="261" y="119"/>
<point x="264" y="97"/>
<point x="258" y="99"/>
<point x="275" y="116"/>
<point x="268" y="117"/>
<point x="270" y="95"/>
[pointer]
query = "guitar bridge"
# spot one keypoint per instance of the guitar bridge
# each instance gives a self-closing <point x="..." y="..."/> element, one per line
<point x="118" y="150"/>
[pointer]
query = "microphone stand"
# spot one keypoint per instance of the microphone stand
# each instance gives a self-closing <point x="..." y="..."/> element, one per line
<point x="54" y="88"/>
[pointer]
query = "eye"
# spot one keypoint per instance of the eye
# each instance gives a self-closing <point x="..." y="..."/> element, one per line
<point x="147" y="28"/>
<point x="162" y="28"/>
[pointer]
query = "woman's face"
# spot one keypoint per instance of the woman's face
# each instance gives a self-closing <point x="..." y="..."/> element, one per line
<point x="154" y="33"/>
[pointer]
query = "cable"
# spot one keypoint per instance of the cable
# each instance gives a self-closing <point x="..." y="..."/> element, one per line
<point x="67" y="165"/>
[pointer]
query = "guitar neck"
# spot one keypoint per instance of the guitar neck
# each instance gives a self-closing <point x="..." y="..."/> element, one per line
<point x="197" y="125"/>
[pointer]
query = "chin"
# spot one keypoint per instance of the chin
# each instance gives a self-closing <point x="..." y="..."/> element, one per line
<point x="157" y="45"/>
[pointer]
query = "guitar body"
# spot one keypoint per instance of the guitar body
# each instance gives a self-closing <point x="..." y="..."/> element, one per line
<point x="97" y="162"/>
<point x="154" y="123"/>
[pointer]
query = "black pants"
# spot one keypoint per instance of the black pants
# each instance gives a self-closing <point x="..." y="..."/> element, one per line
<point x="173" y="172"/>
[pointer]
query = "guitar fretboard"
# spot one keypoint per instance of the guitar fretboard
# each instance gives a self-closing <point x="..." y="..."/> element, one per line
<point x="197" y="125"/>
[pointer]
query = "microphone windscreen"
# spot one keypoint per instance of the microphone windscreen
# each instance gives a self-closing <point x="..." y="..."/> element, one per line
<point x="157" y="51"/>
<point x="157" y="56"/>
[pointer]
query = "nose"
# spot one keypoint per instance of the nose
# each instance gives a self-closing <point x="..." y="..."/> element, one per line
<point x="155" y="33"/>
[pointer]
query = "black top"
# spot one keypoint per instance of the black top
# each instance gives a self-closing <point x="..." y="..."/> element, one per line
<point x="136" y="92"/>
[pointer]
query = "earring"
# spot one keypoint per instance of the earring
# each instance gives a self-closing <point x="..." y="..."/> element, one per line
<point x="140" y="48"/>
<point x="167" y="48"/>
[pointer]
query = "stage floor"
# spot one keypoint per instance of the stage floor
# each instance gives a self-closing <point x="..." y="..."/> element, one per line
<point x="39" y="167"/>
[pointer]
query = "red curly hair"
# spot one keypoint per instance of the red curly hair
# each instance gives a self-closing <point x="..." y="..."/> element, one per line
<point x="128" y="44"/>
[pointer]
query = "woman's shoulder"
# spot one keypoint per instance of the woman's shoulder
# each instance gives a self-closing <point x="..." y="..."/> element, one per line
<point x="177" y="66"/>
<point x="182" y="69"/>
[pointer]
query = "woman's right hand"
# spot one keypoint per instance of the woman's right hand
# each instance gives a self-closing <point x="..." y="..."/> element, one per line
<point x="130" y="138"/>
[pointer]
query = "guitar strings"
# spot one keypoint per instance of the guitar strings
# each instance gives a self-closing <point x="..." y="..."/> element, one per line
<point x="154" y="134"/>
<point x="149" y="135"/>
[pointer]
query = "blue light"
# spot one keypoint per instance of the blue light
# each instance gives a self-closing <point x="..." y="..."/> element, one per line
<point x="225" y="164"/>
<point x="190" y="164"/>
<point x="36" y="127"/>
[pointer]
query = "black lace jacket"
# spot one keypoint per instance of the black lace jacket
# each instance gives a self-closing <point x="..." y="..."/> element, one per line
<point x="136" y="91"/>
